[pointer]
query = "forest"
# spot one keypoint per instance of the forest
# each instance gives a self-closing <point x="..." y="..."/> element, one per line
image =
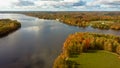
<point x="7" y="26"/>
<point x="82" y="42"/>
<point x="104" y="20"/>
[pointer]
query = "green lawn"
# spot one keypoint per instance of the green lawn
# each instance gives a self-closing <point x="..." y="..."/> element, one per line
<point x="97" y="59"/>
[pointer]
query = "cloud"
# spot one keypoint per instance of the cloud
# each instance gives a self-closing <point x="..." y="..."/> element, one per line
<point x="65" y="5"/>
<point x="111" y="4"/>
<point x="55" y="3"/>
<point x="105" y="3"/>
<point x="7" y="3"/>
<point x="80" y="3"/>
<point x="24" y="3"/>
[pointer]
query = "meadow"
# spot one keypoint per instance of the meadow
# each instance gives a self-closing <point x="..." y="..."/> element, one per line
<point x="97" y="59"/>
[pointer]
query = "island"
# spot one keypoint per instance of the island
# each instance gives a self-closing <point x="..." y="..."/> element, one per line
<point x="7" y="26"/>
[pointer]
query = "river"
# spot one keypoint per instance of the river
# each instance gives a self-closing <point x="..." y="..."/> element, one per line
<point x="37" y="43"/>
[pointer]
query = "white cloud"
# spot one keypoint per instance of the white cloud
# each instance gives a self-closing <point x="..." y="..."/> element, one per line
<point x="7" y="3"/>
<point x="38" y="4"/>
<point x="104" y="3"/>
<point x="52" y="3"/>
<point x="58" y="4"/>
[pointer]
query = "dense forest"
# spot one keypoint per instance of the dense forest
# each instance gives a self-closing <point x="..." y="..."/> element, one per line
<point x="7" y="26"/>
<point x="81" y="42"/>
<point x="101" y="20"/>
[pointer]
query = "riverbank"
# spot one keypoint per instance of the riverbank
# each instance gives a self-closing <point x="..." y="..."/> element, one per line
<point x="79" y="43"/>
<point x="83" y="19"/>
<point x="7" y="26"/>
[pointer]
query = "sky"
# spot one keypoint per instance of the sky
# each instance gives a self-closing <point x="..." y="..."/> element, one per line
<point x="59" y="5"/>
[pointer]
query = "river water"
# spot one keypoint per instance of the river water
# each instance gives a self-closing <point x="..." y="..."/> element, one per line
<point x="37" y="43"/>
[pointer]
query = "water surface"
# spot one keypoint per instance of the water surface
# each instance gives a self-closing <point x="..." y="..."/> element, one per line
<point x="37" y="43"/>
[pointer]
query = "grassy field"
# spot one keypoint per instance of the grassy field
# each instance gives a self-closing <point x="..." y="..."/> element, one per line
<point x="97" y="59"/>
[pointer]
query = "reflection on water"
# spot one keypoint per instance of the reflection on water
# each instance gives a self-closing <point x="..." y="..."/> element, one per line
<point x="37" y="43"/>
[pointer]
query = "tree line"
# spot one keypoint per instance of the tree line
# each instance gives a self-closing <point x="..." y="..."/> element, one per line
<point x="83" y="19"/>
